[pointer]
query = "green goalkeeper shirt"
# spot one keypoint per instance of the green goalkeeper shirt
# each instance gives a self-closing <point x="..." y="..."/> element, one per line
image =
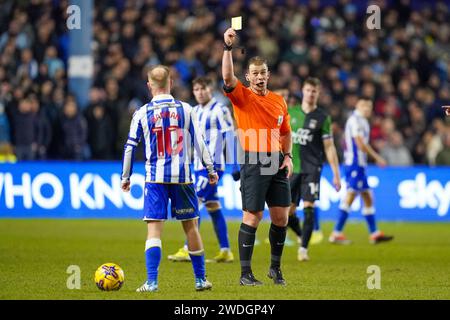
<point x="308" y="132"/>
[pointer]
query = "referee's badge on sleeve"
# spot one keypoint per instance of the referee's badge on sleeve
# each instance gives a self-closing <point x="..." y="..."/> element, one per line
<point x="280" y="120"/>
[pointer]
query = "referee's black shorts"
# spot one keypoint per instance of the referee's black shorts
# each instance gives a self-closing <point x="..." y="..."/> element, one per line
<point x="305" y="186"/>
<point x="262" y="181"/>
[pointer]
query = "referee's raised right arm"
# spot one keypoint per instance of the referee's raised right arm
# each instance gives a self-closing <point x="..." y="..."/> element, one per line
<point x="229" y="78"/>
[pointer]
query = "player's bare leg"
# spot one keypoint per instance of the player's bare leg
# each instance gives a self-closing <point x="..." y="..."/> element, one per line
<point x="337" y="236"/>
<point x="182" y="255"/>
<point x="152" y="255"/>
<point x="350" y="197"/>
<point x="154" y="229"/>
<point x="367" y="198"/>
<point x="277" y="236"/>
<point x="376" y="236"/>
<point x="252" y="218"/>
<point x="246" y="239"/>
<point x="193" y="237"/>
<point x="197" y="254"/>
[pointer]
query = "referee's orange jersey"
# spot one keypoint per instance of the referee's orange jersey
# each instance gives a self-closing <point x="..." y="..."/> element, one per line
<point x="260" y="118"/>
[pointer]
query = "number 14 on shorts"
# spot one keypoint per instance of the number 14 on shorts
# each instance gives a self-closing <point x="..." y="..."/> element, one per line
<point x="313" y="187"/>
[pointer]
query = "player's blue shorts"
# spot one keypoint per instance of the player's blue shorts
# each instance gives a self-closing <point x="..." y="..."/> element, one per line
<point x="184" y="203"/>
<point x="356" y="178"/>
<point x="205" y="191"/>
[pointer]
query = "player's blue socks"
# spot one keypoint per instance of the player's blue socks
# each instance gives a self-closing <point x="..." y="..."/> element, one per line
<point x="152" y="258"/>
<point x="343" y="215"/>
<point x="198" y="263"/>
<point x="369" y="214"/>
<point x="220" y="227"/>
<point x="316" y="219"/>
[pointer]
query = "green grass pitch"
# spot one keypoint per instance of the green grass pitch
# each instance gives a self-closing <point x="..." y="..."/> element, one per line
<point x="35" y="254"/>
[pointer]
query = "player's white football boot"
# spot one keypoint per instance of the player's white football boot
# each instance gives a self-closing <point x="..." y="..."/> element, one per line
<point x="202" y="284"/>
<point x="146" y="287"/>
<point x="302" y="254"/>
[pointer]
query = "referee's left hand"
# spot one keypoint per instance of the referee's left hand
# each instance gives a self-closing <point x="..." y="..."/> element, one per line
<point x="287" y="163"/>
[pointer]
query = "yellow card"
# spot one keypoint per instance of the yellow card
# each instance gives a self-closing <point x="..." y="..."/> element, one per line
<point x="236" y="23"/>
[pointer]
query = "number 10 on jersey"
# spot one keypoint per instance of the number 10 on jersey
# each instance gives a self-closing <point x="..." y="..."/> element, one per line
<point x="169" y="141"/>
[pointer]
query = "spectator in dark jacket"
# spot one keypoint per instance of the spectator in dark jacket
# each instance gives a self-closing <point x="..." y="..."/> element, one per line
<point x="74" y="131"/>
<point x="43" y="129"/>
<point x="100" y="132"/>
<point x="24" y="130"/>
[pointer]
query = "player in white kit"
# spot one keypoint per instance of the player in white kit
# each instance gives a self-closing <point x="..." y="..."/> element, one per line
<point x="357" y="148"/>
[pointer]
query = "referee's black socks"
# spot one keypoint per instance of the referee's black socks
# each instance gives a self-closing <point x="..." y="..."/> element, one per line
<point x="277" y="236"/>
<point x="246" y="241"/>
<point x="308" y="226"/>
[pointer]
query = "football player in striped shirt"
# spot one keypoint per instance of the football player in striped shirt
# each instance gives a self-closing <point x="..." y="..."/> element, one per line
<point x="216" y="124"/>
<point x="357" y="148"/>
<point x="168" y="129"/>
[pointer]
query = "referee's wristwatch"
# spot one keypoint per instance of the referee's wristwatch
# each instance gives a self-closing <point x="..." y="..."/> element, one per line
<point x="288" y="155"/>
<point x="227" y="47"/>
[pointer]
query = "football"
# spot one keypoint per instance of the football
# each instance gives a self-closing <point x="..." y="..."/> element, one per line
<point x="109" y="277"/>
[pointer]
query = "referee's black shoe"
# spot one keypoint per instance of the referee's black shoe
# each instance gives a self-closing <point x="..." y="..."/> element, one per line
<point x="248" y="279"/>
<point x="276" y="275"/>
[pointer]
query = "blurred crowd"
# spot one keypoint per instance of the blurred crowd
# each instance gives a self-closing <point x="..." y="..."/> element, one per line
<point x="404" y="67"/>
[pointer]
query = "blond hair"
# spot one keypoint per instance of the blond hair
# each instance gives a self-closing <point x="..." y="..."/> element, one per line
<point x="158" y="76"/>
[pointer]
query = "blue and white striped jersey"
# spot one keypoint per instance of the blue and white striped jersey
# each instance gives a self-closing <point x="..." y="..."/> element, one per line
<point x="214" y="120"/>
<point x="356" y="125"/>
<point x="168" y="129"/>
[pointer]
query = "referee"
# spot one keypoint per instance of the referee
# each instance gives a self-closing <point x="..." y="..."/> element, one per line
<point x="265" y="136"/>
